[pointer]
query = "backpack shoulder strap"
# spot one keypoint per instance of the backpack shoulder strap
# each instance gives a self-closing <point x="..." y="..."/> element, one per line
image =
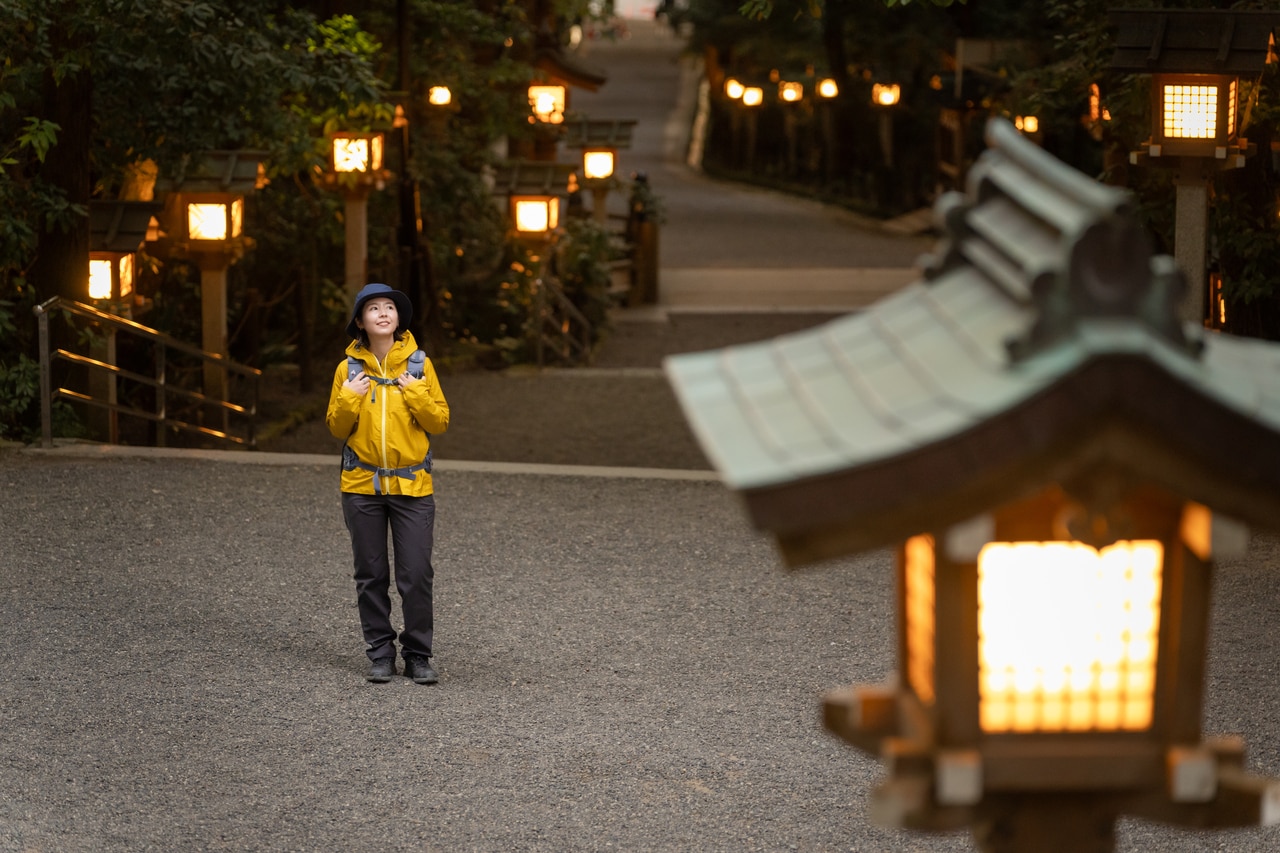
<point x="417" y="364"/>
<point x="354" y="366"/>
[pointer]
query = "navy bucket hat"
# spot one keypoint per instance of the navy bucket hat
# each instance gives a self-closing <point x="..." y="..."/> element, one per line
<point x="404" y="308"/>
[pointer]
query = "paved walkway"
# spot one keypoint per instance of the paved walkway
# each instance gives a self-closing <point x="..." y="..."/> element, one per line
<point x="725" y="247"/>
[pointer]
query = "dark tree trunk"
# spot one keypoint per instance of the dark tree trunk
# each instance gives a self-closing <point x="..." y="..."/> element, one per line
<point x="61" y="266"/>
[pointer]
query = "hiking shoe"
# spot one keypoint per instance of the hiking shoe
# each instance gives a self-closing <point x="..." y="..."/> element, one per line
<point x="419" y="669"/>
<point x="381" y="670"/>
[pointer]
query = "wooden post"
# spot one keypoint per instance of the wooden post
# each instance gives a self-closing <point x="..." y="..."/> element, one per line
<point x="357" y="239"/>
<point x="1047" y="823"/>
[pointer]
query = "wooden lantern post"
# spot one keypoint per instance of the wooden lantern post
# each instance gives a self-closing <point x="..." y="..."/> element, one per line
<point x="1196" y="59"/>
<point x="205" y="214"/>
<point x="355" y="170"/>
<point x="599" y="141"/>
<point x="533" y="193"/>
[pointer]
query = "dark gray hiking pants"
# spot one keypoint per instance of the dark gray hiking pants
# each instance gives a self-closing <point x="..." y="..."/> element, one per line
<point x="412" y="523"/>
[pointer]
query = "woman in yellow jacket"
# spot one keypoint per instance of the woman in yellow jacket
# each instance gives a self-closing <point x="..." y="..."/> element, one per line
<point x="387" y="415"/>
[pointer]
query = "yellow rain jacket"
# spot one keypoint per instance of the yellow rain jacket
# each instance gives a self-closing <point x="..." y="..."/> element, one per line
<point x="388" y="427"/>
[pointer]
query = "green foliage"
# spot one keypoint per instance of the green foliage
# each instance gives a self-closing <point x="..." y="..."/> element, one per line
<point x="19" y="395"/>
<point x="20" y="373"/>
<point x="582" y="265"/>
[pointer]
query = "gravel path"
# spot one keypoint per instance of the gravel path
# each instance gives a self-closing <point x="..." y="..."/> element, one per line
<point x="623" y="667"/>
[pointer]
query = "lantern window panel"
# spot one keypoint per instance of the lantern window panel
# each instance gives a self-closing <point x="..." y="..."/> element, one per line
<point x="1190" y="112"/>
<point x="1068" y="635"/>
<point x="126" y="275"/>
<point x="207" y="221"/>
<point x="548" y="103"/>
<point x="100" y="279"/>
<point x="919" y="587"/>
<point x="597" y="165"/>
<point x="536" y="214"/>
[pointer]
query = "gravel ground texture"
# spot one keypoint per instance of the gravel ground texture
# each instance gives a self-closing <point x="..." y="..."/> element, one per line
<point x="623" y="666"/>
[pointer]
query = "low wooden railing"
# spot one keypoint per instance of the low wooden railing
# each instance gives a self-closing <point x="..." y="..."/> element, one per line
<point x="562" y="329"/>
<point x="103" y="394"/>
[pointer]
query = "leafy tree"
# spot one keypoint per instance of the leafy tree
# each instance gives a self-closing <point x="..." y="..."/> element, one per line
<point x="129" y="82"/>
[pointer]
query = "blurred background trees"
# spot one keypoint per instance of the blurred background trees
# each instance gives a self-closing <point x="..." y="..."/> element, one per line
<point x="1043" y="65"/>
<point x="100" y="98"/>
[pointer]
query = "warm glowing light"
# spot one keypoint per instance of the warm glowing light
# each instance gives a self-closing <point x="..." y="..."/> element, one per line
<point x="357" y="153"/>
<point x="99" y="279"/>
<point x="752" y="96"/>
<point x="108" y="274"/>
<point x="126" y="275"/>
<point x="1218" y="311"/>
<point x="207" y="221"/>
<point x="1027" y="124"/>
<point x="790" y="92"/>
<point x="548" y="103"/>
<point x="215" y="220"/>
<point x="1067" y="635"/>
<point x="536" y="215"/>
<point x="733" y="89"/>
<point x="919" y="597"/>
<point x="439" y="96"/>
<point x="885" y="94"/>
<point x="1190" y="112"/>
<point x="597" y="165"/>
<point x="827" y="88"/>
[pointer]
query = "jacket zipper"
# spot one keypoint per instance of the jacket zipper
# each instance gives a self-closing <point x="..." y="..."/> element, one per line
<point x="383" y="438"/>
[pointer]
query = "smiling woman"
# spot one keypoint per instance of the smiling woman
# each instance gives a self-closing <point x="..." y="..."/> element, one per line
<point x="386" y="404"/>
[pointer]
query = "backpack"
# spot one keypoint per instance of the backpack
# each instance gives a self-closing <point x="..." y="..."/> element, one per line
<point x="416" y="368"/>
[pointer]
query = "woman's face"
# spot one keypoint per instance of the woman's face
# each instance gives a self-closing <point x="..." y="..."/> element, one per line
<point x="379" y="317"/>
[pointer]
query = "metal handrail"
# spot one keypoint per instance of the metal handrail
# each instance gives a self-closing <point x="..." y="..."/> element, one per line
<point x="159" y="382"/>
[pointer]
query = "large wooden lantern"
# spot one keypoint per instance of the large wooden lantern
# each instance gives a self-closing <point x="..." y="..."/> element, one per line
<point x="533" y="192"/>
<point x="117" y="232"/>
<point x="599" y="141"/>
<point x="355" y="170"/>
<point x="1197" y="60"/>
<point x="204" y="211"/>
<point x="1059" y="462"/>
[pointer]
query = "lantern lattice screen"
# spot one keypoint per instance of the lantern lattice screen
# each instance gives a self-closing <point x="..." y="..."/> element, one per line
<point x="597" y="165"/>
<point x="1232" y="99"/>
<point x="1067" y="635"/>
<point x="207" y="221"/>
<point x="1190" y="112"/>
<point x="536" y="215"/>
<point x="351" y="154"/>
<point x="100" y="279"/>
<point x="548" y="103"/>
<point x="919" y="585"/>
